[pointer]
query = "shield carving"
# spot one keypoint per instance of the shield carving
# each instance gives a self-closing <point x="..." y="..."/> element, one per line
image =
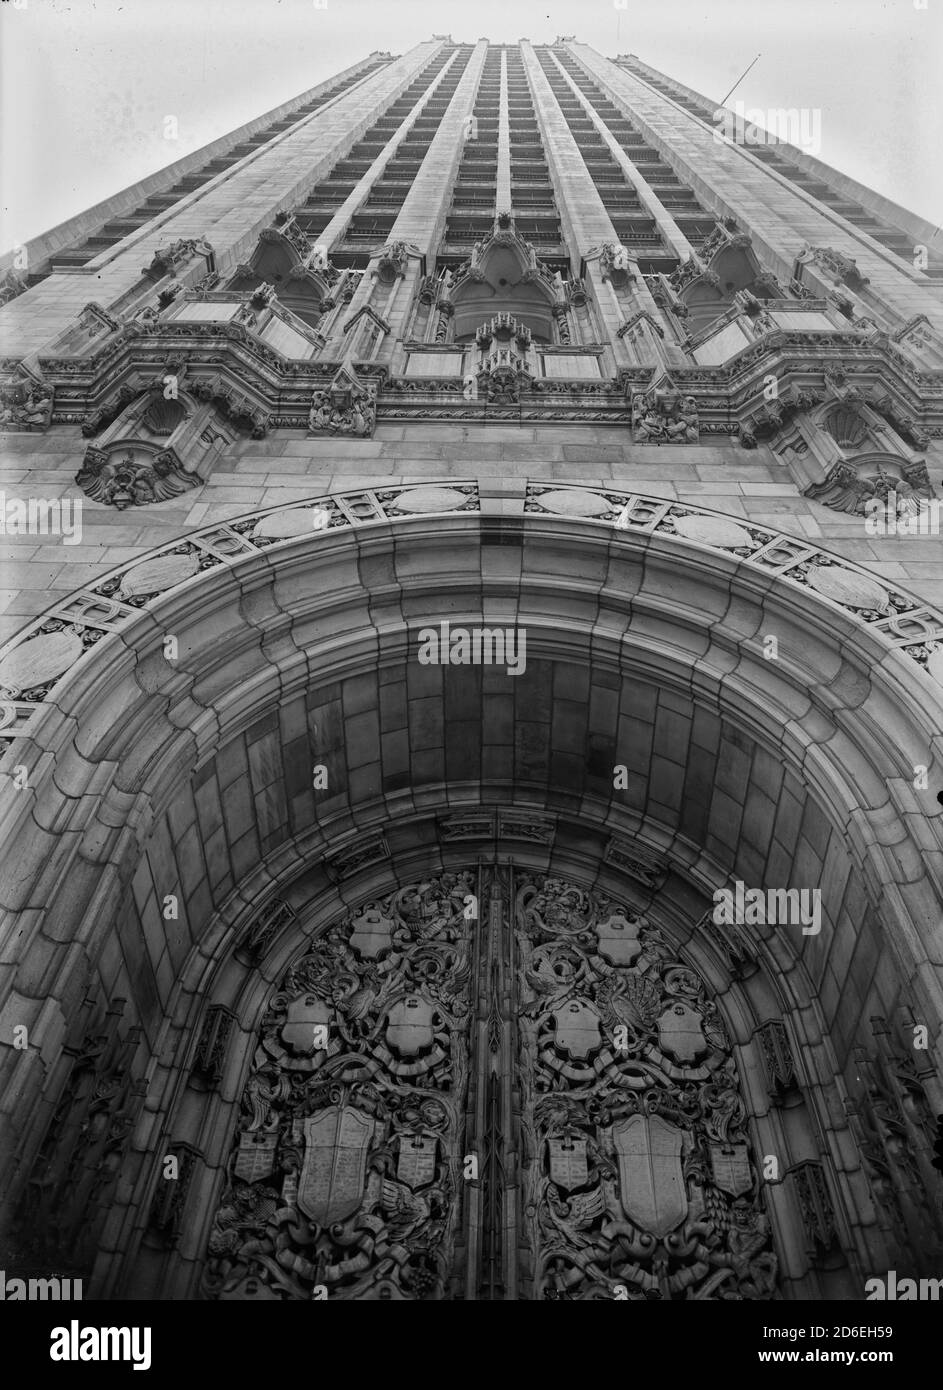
<point x="372" y="935"/>
<point x="577" y="1026"/>
<point x="416" y="1163"/>
<point x="650" y="1178"/>
<point x="332" y="1176"/>
<point x="680" y="1033"/>
<point x="568" y="1165"/>
<point x="298" y="1030"/>
<point x="618" y="939"/>
<point x="255" y="1158"/>
<point x="409" y="1025"/>
<point x="731" y="1168"/>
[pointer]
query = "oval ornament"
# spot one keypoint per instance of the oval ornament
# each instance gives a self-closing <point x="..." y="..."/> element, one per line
<point x="713" y="530"/>
<point x="429" y="499"/>
<point x="849" y="588"/>
<point x="575" y="502"/>
<point x="39" y="660"/>
<point x="154" y="576"/>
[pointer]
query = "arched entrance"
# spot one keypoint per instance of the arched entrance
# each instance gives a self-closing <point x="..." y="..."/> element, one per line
<point x="179" y="850"/>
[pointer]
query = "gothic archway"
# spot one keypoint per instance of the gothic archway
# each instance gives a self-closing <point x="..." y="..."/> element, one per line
<point x="198" y="859"/>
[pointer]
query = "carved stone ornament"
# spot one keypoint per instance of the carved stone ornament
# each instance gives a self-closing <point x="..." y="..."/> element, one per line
<point x="616" y="265"/>
<point x="168" y="258"/>
<point x="842" y="267"/>
<point x="852" y="483"/>
<point x="345" y="407"/>
<point x="638" y="1170"/>
<point x="393" y="262"/>
<point x="25" y="405"/>
<point x="662" y="415"/>
<point x="347" y="1161"/>
<point x="10" y="286"/>
<point x="133" y="476"/>
<point x="348" y="1170"/>
<point x="502" y="376"/>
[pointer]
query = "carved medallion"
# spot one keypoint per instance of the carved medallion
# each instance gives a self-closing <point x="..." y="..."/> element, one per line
<point x="39" y="660"/>
<point x="849" y="588"/>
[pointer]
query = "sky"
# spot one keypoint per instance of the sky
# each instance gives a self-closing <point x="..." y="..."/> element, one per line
<point x="87" y="84"/>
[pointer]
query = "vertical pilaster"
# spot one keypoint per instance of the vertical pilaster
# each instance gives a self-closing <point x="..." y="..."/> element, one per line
<point x="421" y="220"/>
<point x="334" y="231"/>
<point x="502" y="196"/>
<point x="649" y="199"/>
<point x="587" y="229"/>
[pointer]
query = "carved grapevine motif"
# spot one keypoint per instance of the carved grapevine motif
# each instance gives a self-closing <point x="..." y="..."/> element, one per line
<point x="346" y="1167"/>
<point x="638" y="1180"/>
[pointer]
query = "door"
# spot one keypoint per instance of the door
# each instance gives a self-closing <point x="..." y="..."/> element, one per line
<point x="491" y="1085"/>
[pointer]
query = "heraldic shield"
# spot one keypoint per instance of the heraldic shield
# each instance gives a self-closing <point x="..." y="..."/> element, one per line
<point x="652" y="1183"/>
<point x="372" y="935"/>
<point x="409" y="1025"/>
<point x="332" y="1176"/>
<point x="302" y="1017"/>
<point x="618" y="939"/>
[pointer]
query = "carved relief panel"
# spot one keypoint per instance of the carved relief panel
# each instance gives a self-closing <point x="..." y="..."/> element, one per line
<point x="638" y="1178"/>
<point x="531" y="1098"/>
<point x="345" y="1175"/>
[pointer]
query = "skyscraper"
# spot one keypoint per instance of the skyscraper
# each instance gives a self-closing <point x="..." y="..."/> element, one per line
<point x="472" y="705"/>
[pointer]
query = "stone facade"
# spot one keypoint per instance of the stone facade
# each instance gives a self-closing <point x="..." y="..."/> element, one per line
<point x="499" y="338"/>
